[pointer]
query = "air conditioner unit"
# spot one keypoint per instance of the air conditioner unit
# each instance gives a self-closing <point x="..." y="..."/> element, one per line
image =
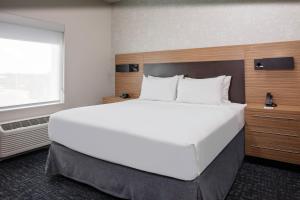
<point x="23" y="135"/>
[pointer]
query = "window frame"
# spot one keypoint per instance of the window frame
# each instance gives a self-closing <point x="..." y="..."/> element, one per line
<point x="30" y="22"/>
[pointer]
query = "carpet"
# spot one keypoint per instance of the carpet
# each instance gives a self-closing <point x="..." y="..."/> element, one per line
<point x="23" y="178"/>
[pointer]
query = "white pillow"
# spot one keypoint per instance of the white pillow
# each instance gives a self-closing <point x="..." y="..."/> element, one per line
<point x="206" y="91"/>
<point x="226" y="86"/>
<point x="161" y="89"/>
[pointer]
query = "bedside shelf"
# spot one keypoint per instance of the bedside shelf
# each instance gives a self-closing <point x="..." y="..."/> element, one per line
<point x="114" y="99"/>
<point x="280" y="108"/>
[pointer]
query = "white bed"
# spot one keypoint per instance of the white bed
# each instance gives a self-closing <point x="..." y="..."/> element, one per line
<point x="178" y="140"/>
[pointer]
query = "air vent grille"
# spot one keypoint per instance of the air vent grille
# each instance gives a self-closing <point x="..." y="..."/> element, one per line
<point x="23" y="141"/>
<point x="24" y="123"/>
<point x="23" y="135"/>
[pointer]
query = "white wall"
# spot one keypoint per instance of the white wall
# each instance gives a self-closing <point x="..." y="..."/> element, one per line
<point x="89" y="74"/>
<point x="150" y="25"/>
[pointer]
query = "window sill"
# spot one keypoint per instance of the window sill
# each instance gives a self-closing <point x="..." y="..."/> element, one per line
<point x="28" y="106"/>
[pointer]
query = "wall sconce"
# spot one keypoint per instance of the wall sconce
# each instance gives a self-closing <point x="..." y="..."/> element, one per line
<point x="127" y="68"/>
<point x="282" y="63"/>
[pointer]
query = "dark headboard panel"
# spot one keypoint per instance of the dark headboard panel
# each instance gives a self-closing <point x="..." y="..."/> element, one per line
<point x="234" y="68"/>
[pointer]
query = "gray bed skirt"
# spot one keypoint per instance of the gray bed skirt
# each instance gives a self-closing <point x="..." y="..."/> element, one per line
<point x="213" y="184"/>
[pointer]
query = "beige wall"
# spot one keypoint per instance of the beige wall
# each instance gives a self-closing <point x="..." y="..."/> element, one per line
<point x="151" y="25"/>
<point x="88" y="61"/>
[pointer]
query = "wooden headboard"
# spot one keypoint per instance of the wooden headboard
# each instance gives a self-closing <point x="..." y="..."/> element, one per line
<point x="233" y="68"/>
<point x="284" y="85"/>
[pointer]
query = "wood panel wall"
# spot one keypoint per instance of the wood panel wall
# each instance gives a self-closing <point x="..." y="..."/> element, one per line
<point x="284" y="85"/>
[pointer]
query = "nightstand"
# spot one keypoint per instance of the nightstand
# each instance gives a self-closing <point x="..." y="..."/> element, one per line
<point x="273" y="134"/>
<point x="113" y="99"/>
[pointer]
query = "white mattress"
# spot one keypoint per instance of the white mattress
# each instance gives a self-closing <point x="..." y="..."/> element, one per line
<point x="178" y="140"/>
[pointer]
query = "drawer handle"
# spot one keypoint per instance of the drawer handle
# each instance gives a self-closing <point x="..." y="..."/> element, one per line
<point x="275" y="149"/>
<point x="276" y="133"/>
<point x="272" y="117"/>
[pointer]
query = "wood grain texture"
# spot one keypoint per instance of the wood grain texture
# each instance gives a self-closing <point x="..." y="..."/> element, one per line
<point x="262" y="130"/>
<point x="276" y="142"/>
<point x="284" y="85"/>
<point x="273" y="120"/>
<point x="273" y="154"/>
<point x="129" y="82"/>
<point x="279" y="109"/>
<point x="113" y="99"/>
<point x="273" y="134"/>
<point x="195" y="55"/>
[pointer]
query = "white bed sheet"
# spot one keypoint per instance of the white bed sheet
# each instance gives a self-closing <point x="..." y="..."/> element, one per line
<point x="178" y="140"/>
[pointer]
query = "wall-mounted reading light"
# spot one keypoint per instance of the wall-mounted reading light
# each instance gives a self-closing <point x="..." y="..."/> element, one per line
<point x="283" y="63"/>
<point x="259" y="66"/>
<point x="127" y="68"/>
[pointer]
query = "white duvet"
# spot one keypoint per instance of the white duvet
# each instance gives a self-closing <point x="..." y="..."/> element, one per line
<point x="178" y="140"/>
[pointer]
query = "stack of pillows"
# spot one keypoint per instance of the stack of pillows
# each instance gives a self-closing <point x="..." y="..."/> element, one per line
<point x="212" y="91"/>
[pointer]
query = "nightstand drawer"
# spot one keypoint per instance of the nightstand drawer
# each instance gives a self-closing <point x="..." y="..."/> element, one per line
<point x="273" y="120"/>
<point x="273" y="154"/>
<point x="276" y="147"/>
<point x="259" y="130"/>
<point x="274" y="142"/>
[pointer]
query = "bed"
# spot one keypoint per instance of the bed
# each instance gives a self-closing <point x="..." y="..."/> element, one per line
<point x="142" y="149"/>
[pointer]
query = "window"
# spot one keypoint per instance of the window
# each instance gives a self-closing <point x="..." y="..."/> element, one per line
<point x="31" y="64"/>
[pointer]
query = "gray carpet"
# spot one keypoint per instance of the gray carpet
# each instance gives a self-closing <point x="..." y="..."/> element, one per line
<point x="22" y="178"/>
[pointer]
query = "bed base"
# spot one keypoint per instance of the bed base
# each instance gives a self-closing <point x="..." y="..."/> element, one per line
<point x="128" y="183"/>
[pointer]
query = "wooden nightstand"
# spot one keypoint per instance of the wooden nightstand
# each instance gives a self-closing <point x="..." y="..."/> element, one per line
<point x="113" y="99"/>
<point x="273" y="134"/>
